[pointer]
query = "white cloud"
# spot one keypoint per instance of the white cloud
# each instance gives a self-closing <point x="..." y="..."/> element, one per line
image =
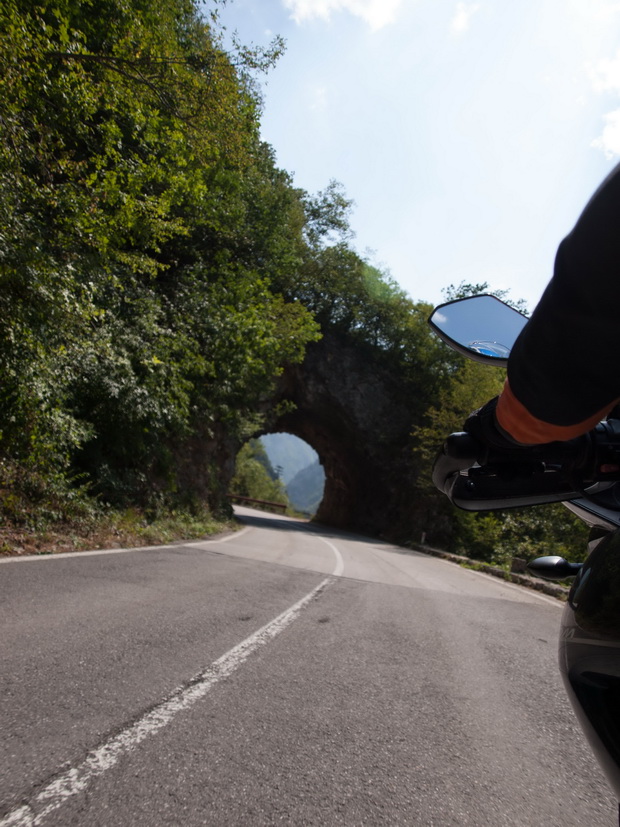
<point x="462" y="17"/>
<point x="609" y="141"/>
<point x="318" y="98"/>
<point x="605" y="77"/>
<point x="604" y="11"/>
<point x="377" y="13"/>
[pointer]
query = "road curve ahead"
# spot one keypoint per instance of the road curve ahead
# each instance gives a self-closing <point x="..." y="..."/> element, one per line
<point x="283" y="675"/>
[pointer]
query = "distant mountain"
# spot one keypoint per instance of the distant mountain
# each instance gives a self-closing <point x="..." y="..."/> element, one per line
<point x="305" y="490"/>
<point x="288" y="454"/>
<point x="299" y="469"/>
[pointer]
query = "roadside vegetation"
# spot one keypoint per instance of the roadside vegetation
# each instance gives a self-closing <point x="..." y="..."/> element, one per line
<point x="158" y="270"/>
<point x="255" y="477"/>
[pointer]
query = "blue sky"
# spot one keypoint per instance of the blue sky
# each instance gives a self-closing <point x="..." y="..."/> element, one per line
<point x="469" y="134"/>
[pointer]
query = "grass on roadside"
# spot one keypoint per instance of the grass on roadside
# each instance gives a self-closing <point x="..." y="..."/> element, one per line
<point x="48" y="514"/>
<point x="111" y="529"/>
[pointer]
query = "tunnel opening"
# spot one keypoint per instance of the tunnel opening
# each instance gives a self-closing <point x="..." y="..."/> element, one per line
<point x="278" y="471"/>
<point x="298" y="467"/>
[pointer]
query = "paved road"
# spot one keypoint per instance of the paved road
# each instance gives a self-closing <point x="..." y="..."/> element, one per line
<point x="285" y="675"/>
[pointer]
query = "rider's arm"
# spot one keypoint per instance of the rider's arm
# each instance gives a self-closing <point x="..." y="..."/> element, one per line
<point x="516" y="421"/>
<point x="564" y="370"/>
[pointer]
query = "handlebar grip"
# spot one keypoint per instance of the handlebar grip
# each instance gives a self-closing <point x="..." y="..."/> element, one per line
<point x="538" y="474"/>
<point x="458" y="453"/>
<point x="462" y="445"/>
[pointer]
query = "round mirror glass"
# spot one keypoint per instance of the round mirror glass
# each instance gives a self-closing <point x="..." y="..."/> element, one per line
<point x="481" y="327"/>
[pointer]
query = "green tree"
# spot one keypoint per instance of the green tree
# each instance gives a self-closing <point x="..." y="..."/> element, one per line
<point x="465" y="290"/>
<point x="141" y="220"/>
<point x="254" y="477"/>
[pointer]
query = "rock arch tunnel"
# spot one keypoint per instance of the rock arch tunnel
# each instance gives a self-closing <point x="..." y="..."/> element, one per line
<point x="353" y="414"/>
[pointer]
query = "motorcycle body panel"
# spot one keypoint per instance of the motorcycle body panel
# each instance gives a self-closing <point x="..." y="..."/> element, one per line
<point x="589" y="653"/>
<point x="595" y="514"/>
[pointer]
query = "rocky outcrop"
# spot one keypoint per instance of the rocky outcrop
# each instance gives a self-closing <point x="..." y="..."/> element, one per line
<point x="355" y="415"/>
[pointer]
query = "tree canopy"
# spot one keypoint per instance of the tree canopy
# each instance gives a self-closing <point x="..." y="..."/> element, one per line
<point x="142" y="222"/>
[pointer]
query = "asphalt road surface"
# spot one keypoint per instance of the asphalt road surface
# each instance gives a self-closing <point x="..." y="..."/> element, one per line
<point x="283" y="675"/>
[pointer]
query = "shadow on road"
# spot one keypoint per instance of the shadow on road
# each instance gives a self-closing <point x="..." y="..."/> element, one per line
<point x="262" y="519"/>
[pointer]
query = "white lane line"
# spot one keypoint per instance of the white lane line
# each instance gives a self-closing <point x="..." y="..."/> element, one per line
<point x="76" y="780"/>
<point x="337" y="572"/>
<point x="29" y="557"/>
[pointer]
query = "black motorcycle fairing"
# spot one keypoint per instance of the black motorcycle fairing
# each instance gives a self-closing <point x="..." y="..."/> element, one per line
<point x="595" y="595"/>
<point x="594" y="513"/>
<point x="594" y="694"/>
<point x="589" y="653"/>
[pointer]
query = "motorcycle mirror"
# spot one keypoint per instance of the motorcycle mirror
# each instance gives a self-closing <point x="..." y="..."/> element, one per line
<point x="482" y="327"/>
<point x="553" y="568"/>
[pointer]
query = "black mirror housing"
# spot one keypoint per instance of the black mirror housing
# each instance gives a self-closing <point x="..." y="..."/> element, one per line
<point x="553" y="568"/>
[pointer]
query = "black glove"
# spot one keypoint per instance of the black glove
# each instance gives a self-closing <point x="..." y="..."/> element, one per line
<point x="483" y="426"/>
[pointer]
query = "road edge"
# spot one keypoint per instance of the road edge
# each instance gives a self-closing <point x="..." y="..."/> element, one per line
<point x="552" y="589"/>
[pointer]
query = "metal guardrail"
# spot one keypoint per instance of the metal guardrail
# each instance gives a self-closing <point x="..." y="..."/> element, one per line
<point x="282" y="506"/>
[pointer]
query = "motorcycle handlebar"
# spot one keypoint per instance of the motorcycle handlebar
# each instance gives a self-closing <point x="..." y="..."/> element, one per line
<point x="477" y="478"/>
<point x="458" y="453"/>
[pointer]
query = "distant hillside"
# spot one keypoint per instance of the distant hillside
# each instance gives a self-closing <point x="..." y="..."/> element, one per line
<point x="299" y="469"/>
<point x="288" y="454"/>
<point x="305" y="490"/>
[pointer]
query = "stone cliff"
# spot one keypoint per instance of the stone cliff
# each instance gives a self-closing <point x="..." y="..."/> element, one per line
<point x="356" y="416"/>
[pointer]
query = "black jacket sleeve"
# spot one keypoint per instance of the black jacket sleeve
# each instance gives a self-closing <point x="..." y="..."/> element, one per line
<point x="565" y="365"/>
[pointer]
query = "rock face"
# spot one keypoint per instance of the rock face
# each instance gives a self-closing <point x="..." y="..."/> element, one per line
<point x="305" y="490"/>
<point x="354" y="414"/>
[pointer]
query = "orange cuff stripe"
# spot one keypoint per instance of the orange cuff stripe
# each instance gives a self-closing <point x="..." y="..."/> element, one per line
<point x="514" y="418"/>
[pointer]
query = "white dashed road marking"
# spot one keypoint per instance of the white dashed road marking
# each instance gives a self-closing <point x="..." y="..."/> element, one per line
<point x="76" y="780"/>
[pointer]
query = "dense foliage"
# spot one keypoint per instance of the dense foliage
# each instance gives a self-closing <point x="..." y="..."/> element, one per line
<point x="254" y="476"/>
<point x="142" y="221"/>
